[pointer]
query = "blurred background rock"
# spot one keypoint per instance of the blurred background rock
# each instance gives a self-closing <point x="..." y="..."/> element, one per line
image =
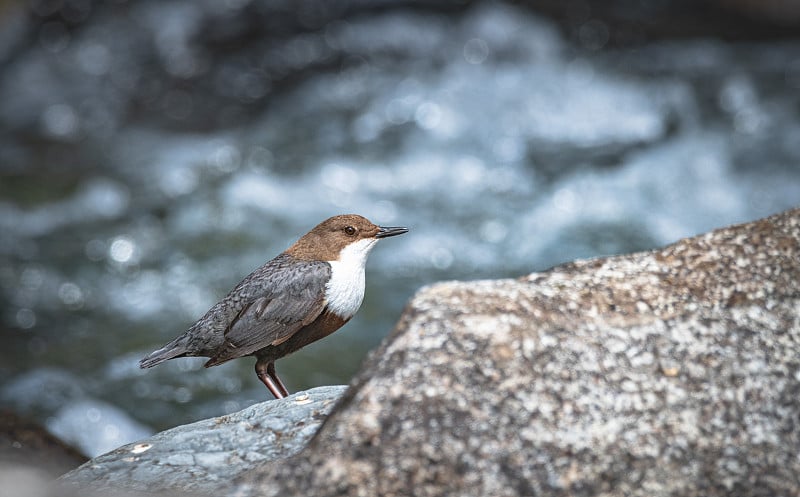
<point x="152" y="153"/>
<point x="25" y="443"/>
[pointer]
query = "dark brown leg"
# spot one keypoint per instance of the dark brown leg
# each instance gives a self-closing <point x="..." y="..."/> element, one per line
<point x="274" y="375"/>
<point x="266" y="373"/>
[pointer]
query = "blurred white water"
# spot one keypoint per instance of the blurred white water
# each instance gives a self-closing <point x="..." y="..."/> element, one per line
<point x="95" y="427"/>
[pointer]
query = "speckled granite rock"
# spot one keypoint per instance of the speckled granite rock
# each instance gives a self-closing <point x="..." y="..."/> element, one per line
<point x="672" y="372"/>
<point x="202" y="456"/>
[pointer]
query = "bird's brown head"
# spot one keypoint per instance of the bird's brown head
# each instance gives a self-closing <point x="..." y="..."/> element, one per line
<point x="327" y="240"/>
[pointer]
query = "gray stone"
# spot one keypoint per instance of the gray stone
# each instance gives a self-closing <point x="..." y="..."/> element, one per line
<point x="204" y="455"/>
<point x="671" y="372"/>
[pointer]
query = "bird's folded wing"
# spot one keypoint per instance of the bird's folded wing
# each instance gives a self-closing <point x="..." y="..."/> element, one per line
<point x="270" y="322"/>
<point x="273" y="315"/>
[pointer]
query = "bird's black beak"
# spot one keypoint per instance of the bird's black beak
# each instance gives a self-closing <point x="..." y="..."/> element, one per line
<point x="387" y="231"/>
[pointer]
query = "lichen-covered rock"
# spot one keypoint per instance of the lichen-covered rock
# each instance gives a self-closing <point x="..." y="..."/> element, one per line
<point x="671" y="372"/>
<point x="205" y="455"/>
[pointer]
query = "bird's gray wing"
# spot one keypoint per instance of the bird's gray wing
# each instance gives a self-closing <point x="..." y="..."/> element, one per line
<point x="277" y="302"/>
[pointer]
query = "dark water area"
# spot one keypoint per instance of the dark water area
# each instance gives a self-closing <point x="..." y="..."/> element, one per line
<point x="153" y="153"/>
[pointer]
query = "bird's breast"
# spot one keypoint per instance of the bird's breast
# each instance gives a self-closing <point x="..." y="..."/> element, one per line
<point x="345" y="290"/>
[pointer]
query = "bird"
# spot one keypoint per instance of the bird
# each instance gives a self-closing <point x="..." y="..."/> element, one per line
<point x="302" y="295"/>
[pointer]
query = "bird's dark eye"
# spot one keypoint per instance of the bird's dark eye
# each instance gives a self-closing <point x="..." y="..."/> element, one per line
<point x="350" y="231"/>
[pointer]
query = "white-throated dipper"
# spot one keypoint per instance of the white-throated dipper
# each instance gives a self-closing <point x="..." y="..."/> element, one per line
<point x="304" y="294"/>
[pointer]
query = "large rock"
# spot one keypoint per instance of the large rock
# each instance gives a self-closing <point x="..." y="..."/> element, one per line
<point x="206" y="455"/>
<point x="672" y="372"/>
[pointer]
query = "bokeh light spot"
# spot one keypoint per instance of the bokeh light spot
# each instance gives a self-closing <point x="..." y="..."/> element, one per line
<point x="476" y="51"/>
<point x="60" y="121"/>
<point x="93" y="415"/>
<point x="122" y="249"/>
<point x="26" y="318"/>
<point x="428" y="115"/>
<point x="71" y="295"/>
<point x="183" y="395"/>
<point x="94" y="58"/>
<point x="493" y="231"/>
<point x="442" y="258"/>
<point x="566" y="200"/>
<point x="228" y="158"/>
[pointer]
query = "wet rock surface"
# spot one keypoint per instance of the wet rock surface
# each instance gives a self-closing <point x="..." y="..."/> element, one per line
<point x="671" y="372"/>
<point x="205" y="455"/>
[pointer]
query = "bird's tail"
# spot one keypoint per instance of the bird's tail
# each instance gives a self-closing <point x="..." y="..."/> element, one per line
<point x="175" y="348"/>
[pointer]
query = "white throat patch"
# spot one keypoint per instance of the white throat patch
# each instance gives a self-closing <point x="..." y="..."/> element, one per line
<point x="345" y="291"/>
